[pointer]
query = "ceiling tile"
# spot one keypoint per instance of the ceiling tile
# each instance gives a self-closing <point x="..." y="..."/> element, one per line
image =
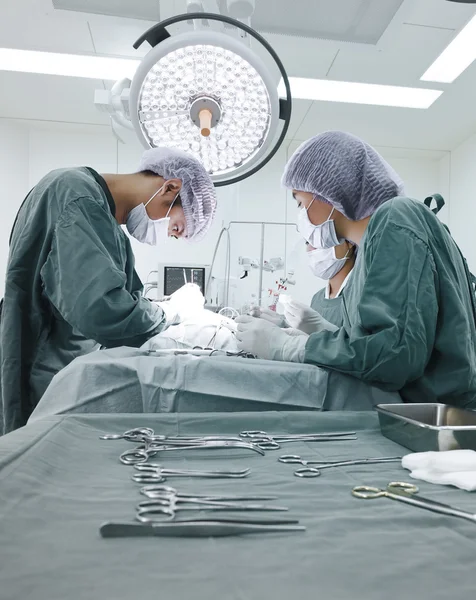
<point x="357" y="21"/>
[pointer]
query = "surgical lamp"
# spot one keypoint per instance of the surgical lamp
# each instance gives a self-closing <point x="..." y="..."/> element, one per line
<point x="207" y="93"/>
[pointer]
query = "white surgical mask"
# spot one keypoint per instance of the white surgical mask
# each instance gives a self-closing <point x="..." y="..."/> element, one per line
<point x="319" y="236"/>
<point x="145" y="229"/>
<point x="324" y="263"/>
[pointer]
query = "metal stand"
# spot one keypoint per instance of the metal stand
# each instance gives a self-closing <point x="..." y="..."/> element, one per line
<point x="261" y="256"/>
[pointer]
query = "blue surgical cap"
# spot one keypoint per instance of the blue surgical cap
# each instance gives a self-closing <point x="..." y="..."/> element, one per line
<point x="344" y="171"/>
<point x="197" y="194"/>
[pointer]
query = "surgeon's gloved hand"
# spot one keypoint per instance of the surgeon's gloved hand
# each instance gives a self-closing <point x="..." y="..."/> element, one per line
<point x="269" y="315"/>
<point x="304" y="318"/>
<point x="183" y="304"/>
<point x="294" y="332"/>
<point x="265" y="340"/>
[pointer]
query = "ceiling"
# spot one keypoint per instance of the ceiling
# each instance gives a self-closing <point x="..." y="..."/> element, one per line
<point x="375" y="41"/>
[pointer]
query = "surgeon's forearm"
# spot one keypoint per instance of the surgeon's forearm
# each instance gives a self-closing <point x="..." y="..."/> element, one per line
<point x="131" y="327"/>
<point x="388" y="365"/>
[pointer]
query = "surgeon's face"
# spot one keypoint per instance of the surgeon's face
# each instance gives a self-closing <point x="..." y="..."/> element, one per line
<point x="168" y="203"/>
<point x="317" y="211"/>
<point x="177" y="225"/>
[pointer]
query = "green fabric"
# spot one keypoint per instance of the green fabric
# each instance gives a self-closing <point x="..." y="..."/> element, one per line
<point x="130" y="380"/>
<point x="70" y="285"/>
<point x="330" y="308"/>
<point x="409" y="318"/>
<point x="59" y="483"/>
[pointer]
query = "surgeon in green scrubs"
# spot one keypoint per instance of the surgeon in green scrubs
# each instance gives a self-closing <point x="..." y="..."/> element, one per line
<point x="328" y="301"/>
<point x="409" y="322"/>
<point x="334" y="266"/>
<point x="71" y="285"/>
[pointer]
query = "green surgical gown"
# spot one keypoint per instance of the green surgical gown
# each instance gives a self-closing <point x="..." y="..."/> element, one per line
<point x="330" y="308"/>
<point x="409" y="315"/>
<point x="70" y="287"/>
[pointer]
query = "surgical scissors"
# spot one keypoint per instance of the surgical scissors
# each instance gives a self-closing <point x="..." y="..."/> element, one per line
<point x="271" y="441"/>
<point x="136" y="456"/>
<point x="166" y="503"/>
<point x="154" y="473"/>
<point x="404" y="492"/>
<point x="315" y="471"/>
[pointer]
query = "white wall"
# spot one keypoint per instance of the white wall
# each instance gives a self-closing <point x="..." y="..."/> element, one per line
<point x="14" y="184"/>
<point x="462" y="219"/>
<point x="26" y="157"/>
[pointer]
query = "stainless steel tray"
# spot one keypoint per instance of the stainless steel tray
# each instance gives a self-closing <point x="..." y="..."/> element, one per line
<point x="423" y="427"/>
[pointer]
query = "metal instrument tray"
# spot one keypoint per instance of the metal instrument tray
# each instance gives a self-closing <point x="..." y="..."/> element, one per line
<point x="423" y="427"/>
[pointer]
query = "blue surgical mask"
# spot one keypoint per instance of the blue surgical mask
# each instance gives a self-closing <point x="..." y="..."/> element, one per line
<point x="145" y="229"/>
<point x="319" y="236"/>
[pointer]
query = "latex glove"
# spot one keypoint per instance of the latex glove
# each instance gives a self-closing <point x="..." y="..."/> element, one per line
<point x="265" y="340"/>
<point x="183" y="304"/>
<point x="294" y="332"/>
<point x="269" y="315"/>
<point x="302" y="317"/>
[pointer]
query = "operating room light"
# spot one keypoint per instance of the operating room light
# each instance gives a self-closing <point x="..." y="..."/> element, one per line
<point x="456" y="57"/>
<point x="361" y="93"/>
<point x="52" y="63"/>
<point x="228" y="86"/>
<point x="206" y="92"/>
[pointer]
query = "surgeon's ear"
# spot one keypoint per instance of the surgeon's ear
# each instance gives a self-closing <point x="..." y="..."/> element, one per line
<point x="172" y="185"/>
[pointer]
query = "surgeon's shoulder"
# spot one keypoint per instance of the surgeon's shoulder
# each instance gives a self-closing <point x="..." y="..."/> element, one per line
<point x="401" y="212"/>
<point x="318" y="298"/>
<point x="72" y="184"/>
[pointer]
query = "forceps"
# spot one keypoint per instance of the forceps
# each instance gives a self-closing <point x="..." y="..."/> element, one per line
<point x="166" y="503"/>
<point x="308" y="471"/>
<point x="147" y="435"/>
<point x="404" y="492"/>
<point x="138" y="434"/>
<point x="159" y="491"/>
<point x="271" y="441"/>
<point x="136" y="456"/>
<point x="199" y="528"/>
<point x="154" y="473"/>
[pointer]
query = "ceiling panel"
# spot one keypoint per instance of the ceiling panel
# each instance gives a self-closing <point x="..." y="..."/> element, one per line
<point x="299" y="112"/>
<point x="400" y="63"/>
<point x="119" y="37"/>
<point x="32" y="24"/>
<point x="50" y="98"/>
<point x="439" y="13"/>
<point x="136" y="9"/>
<point x="443" y="126"/>
<point x="303" y="57"/>
<point x="362" y="21"/>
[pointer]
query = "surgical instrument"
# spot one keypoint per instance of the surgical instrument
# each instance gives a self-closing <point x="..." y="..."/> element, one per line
<point x="131" y="435"/>
<point x="167" y="507"/>
<point x="268" y="441"/>
<point x="141" y="455"/>
<point x="197" y="528"/>
<point x="404" y="492"/>
<point x="154" y="473"/>
<point x="145" y="434"/>
<point x="168" y="501"/>
<point x="159" y="491"/>
<point x="315" y="471"/>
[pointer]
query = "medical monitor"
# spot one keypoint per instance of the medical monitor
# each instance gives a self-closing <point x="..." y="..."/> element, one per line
<point x="171" y="277"/>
